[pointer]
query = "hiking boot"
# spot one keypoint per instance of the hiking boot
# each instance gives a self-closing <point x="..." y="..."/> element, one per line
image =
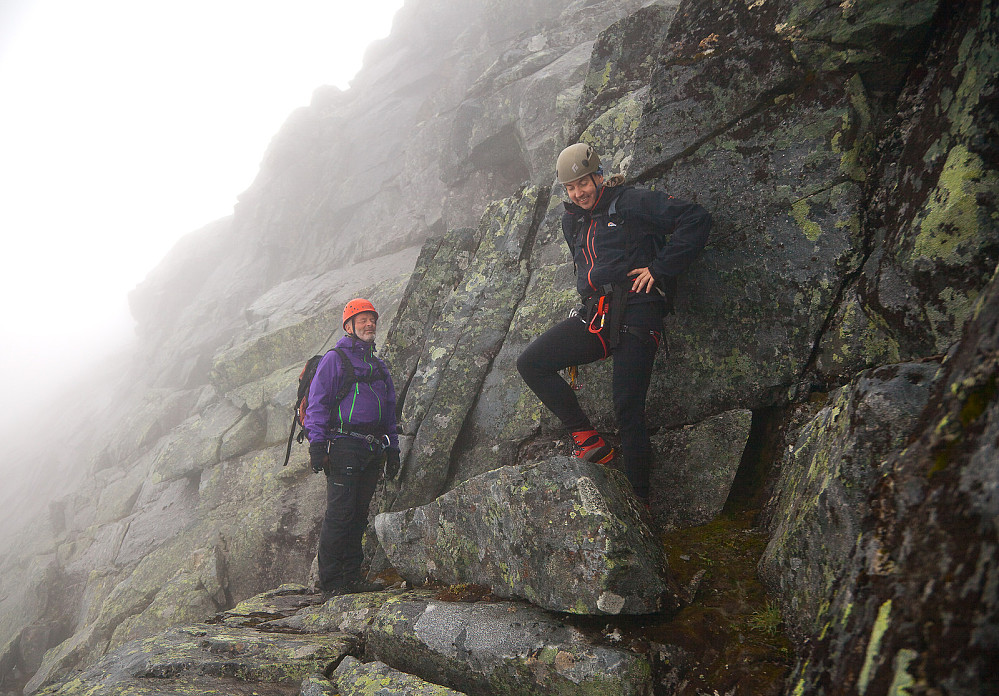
<point x="588" y="445"/>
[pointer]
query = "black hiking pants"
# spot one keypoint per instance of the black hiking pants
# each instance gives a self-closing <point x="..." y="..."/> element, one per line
<point x="571" y="343"/>
<point x="350" y="484"/>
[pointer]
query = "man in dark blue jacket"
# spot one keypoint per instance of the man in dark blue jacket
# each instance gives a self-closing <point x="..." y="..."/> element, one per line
<point x="351" y="425"/>
<point x="628" y="246"/>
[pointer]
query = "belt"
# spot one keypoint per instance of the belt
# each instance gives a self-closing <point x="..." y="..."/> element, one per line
<point x="380" y="440"/>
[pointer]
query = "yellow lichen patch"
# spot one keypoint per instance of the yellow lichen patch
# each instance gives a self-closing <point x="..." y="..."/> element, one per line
<point x="903" y="681"/>
<point x="799" y="211"/>
<point x="874" y="646"/>
<point x="950" y="227"/>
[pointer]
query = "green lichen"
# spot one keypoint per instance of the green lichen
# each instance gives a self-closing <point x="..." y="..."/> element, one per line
<point x="800" y="211"/>
<point x="860" y="339"/>
<point x="614" y="130"/>
<point x="903" y="681"/>
<point x="950" y="227"/>
<point x="874" y="646"/>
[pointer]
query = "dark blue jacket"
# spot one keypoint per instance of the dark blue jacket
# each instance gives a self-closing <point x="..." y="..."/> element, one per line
<point x="647" y="228"/>
<point x="368" y="406"/>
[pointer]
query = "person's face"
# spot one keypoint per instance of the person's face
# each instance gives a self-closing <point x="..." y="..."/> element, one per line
<point x="583" y="192"/>
<point x="364" y="324"/>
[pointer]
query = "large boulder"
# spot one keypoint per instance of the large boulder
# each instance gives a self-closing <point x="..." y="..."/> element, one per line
<point x="563" y="534"/>
<point x="826" y="477"/>
<point x="500" y="648"/>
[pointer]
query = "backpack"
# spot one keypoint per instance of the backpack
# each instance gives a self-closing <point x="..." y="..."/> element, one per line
<point x="305" y="383"/>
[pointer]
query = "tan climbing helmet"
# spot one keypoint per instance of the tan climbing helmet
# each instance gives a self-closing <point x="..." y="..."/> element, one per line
<point x="575" y="162"/>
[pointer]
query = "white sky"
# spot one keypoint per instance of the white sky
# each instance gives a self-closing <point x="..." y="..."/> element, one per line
<point x="125" y="124"/>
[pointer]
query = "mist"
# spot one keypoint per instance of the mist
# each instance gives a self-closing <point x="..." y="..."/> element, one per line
<point x="124" y="128"/>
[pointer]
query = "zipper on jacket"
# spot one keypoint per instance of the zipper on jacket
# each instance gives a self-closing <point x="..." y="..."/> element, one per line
<point x="591" y="241"/>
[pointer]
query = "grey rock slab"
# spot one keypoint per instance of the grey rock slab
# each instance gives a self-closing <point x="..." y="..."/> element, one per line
<point x="694" y="468"/>
<point x="351" y="613"/>
<point x="500" y="648"/>
<point x="355" y="678"/>
<point x="233" y="655"/>
<point x="564" y="534"/>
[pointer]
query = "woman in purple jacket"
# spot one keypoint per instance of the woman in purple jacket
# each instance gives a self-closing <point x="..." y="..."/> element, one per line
<point x="351" y="426"/>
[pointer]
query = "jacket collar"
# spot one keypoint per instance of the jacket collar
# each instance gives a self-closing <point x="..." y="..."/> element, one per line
<point x="356" y="345"/>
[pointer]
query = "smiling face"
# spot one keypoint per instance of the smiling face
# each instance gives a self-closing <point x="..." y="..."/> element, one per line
<point x="583" y="192"/>
<point x="363" y="326"/>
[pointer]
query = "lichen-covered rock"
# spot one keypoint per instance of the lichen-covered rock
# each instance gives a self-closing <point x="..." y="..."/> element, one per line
<point x="877" y="38"/>
<point x="294" y="319"/>
<point x="439" y="269"/>
<point x="826" y="478"/>
<point x="216" y="657"/>
<point x="563" y="534"/>
<point x="916" y="608"/>
<point x="463" y="342"/>
<point x="194" y="445"/>
<point x="735" y="125"/>
<point x="192" y="593"/>
<point x="936" y="200"/>
<point x="351" y="613"/>
<point x="507" y="412"/>
<point x="621" y="62"/>
<point x="500" y="648"/>
<point x="272" y="605"/>
<point x="317" y="685"/>
<point x="355" y="678"/>
<point x="694" y="468"/>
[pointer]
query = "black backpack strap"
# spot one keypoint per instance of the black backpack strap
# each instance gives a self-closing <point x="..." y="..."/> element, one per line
<point x="291" y="438"/>
<point x="350" y="378"/>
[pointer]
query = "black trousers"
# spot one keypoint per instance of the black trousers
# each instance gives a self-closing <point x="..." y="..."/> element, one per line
<point x="350" y="484"/>
<point x="571" y="343"/>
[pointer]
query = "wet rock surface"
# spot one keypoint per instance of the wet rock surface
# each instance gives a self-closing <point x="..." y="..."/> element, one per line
<point x="564" y="534"/>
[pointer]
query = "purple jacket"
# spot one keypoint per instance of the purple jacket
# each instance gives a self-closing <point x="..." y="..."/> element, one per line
<point x="367" y="405"/>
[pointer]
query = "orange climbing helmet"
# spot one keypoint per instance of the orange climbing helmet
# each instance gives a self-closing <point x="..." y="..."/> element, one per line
<point x="355" y="307"/>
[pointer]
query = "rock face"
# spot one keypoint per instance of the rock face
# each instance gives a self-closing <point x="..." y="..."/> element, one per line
<point x="926" y="612"/>
<point x="826" y="478"/>
<point x="847" y="153"/>
<point x="563" y="534"/>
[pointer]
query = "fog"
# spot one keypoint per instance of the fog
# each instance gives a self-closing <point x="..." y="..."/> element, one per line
<point x="124" y="126"/>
